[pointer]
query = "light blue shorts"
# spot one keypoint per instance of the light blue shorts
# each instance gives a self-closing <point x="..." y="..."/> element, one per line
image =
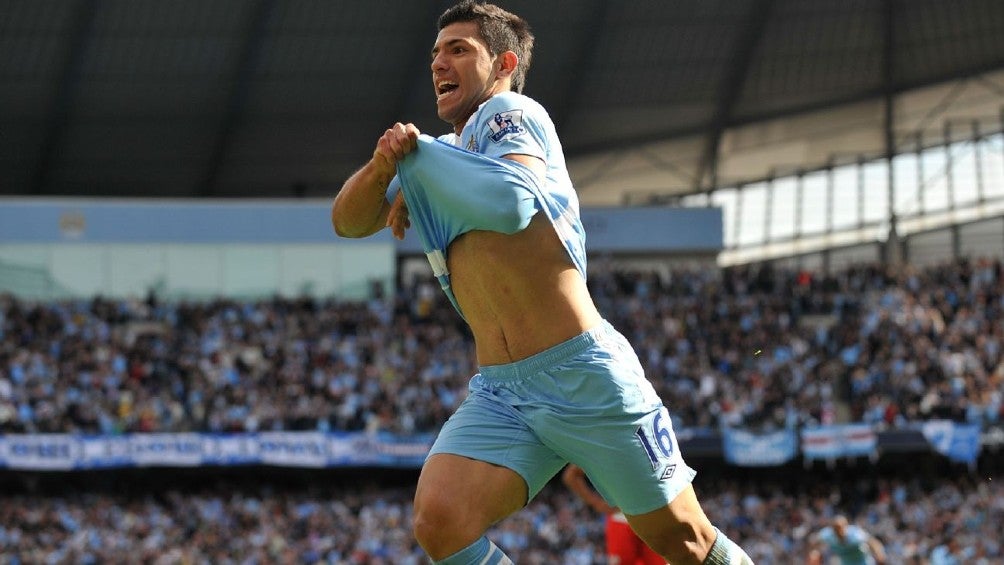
<point x="584" y="401"/>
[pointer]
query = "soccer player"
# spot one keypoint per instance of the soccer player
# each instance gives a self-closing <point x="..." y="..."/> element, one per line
<point x="624" y="547"/>
<point x="499" y="221"/>
<point x="848" y="543"/>
<point x="952" y="553"/>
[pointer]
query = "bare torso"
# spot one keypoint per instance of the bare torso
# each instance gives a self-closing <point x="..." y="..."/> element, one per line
<point x="520" y="293"/>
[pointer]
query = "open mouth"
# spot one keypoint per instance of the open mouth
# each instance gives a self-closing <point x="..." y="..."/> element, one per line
<point x="445" y="88"/>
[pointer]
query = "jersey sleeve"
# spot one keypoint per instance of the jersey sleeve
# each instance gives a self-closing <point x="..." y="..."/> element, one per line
<point x="512" y="124"/>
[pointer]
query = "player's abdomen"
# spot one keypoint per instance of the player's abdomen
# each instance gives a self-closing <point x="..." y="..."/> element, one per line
<point x="519" y="293"/>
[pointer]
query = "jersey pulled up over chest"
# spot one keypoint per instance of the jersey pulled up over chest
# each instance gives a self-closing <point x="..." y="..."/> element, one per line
<point x="450" y="192"/>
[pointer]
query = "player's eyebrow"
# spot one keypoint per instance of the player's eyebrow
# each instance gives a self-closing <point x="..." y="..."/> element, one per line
<point x="448" y="43"/>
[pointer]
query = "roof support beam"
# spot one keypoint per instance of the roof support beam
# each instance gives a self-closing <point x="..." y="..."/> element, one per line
<point x="888" y="80"/>
<point x="729" y="91"/>
<point x="259" y="16"/>
<point x="889" y="77"/>
<point x="67" y="89"/>
<point x="861" y="96"/>
<point x="892" y="254"/>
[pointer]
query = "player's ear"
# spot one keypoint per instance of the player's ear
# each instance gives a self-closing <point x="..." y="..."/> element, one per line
<point x="507" y="64"/>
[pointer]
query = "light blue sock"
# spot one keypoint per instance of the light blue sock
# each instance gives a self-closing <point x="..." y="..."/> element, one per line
<point x="726" y="552"/>
<point x="481" y="552"/>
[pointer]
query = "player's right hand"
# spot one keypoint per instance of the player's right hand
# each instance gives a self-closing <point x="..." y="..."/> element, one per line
<point x="395" y="143"/>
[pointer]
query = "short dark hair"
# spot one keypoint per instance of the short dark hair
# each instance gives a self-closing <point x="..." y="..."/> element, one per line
<point x="502" y="31"/>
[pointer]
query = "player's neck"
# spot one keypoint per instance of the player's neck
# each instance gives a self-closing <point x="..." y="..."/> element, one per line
<point x="498" y="88"/>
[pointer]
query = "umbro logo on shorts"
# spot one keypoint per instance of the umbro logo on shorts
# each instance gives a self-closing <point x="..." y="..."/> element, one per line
<point x="668" y="472"/>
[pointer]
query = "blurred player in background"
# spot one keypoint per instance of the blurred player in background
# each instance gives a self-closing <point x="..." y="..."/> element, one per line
<point x="623" y="546"/>
<point x="848" y="543"/>
<point x="500" y="224"/>
<point x="952" y="553"/>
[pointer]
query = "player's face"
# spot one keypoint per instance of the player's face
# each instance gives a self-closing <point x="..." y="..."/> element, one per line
<point x="464" y="72"/>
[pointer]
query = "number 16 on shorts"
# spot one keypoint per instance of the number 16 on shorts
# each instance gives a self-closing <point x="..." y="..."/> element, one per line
<point x="657" y="439"/>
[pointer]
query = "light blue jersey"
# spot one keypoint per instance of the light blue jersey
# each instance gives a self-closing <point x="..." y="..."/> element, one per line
<point x="510" y="123"/>
<point x="944" y="555"/>
<point x="451" y="191"/>
<point x="852" y="550"/>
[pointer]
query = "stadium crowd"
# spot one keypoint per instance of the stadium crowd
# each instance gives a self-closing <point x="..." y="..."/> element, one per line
<point x="371" y="526"/>
<point x="758" y="348"/>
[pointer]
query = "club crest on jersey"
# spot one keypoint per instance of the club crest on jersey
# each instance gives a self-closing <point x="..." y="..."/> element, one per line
<point x="506" y="123"/>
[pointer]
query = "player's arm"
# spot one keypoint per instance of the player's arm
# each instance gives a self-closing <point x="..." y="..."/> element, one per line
<point x="361" y="208"/>
<point x="524" y="143"/>
<point x="575" y="479"/>
<point x="536" y="165"/>
<point x="815" y="556"/>
<point x="878" y="550"/>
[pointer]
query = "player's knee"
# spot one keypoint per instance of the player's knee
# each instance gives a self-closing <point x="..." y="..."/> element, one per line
<point x="437" y="525"/>
<point x="429" y="524"/>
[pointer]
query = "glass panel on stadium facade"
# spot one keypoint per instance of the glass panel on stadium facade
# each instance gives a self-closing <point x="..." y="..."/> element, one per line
<point x="875" y="191"/>
<point x="992" y="160"/>
<point x="782" y="212"/>
<point x="726" y="200"/>
<point x="907" y="188"/>
<point x="250" y="270"/>
<point x="814" y="203"/>
<point x="28" y="255"/>
<point x="82" y="263"/>
<point x="931" y="181"/>
<point x="963" y="170"/>
<point x="360" y="265"/>
<point x="195" y="271"/>
<point x="752" y="211"/>
<point x="845" y="201"/>
<point x="133" y="268"/>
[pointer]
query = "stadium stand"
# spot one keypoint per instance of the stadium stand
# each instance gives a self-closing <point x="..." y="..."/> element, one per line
<point x="860" y="345"/>
<point x="767" y="349"/>
<point x="307" y="520"/>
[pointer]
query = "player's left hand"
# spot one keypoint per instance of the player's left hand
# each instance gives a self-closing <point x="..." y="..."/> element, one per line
<point x="397" y="218"/>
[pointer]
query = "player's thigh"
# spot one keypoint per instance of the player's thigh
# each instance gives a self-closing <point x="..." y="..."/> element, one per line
<point x="628" y="451"/>
<point x="486" y="429"/>
<point x="458" y="490"/>
<point x="600" y="412"/>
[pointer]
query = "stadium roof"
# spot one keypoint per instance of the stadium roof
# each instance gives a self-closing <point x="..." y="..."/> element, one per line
<point x="259" y="98"/>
